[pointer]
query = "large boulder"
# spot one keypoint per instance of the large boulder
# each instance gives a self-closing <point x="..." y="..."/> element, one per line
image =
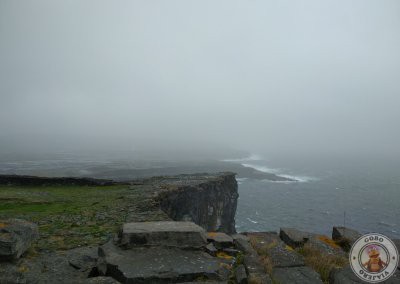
<point x="163" y="233"/>
<point x="84" y="259"/>
<point x="156" y="264"/>
<point x="293" y="237"/>
<point x="346" y="237"/>
<point x="16" y="236"/>
<point x="326" y="246"/>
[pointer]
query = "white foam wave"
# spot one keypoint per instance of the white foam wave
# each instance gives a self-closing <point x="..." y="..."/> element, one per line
<point x="261" y="168"/>
<point x="299" y="178"/>
<point x="278" y="172"/>
<point x="252" y="221"/>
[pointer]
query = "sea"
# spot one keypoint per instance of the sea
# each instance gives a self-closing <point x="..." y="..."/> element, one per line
<point x="360" y="193"/>
<point x="363" y="194"/>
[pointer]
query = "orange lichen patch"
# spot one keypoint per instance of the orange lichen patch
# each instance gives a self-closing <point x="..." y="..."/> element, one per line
<point x="3" y="225"/>
<point x="224" y="255"/>
<point x="212" y="234"/>
<point x="329" y="242"/>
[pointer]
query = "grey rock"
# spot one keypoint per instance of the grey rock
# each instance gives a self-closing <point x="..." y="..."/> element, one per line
<point x="346" y="276"/>
<point x="11" y="274"/>
<point x="243" y="245"/>
<point x="240" y="274"/>
<point x="211" y="249"/>
<point x="253" y="264"/>
<point x="16" y="236"/>
<point x="294" y="237"/>
<point x="46" y="268"/>
<point x="296" y="275"/>
<point x="345" y="236"/>
<point x="156" y="265"/>
<point x="240" y="237"/>
<point x="83" y="259"/>
<point x="260" y="278"/>
<point x="220" y="240"/>
<point x="280" y="256"/>
<point x="325" y="248"/>
<point x="163" y="233"/>
<point x="277" y="251"/>
<point x="100" y="280"/>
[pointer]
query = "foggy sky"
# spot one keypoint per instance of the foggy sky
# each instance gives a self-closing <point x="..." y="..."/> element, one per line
<point x="264" y="76"/>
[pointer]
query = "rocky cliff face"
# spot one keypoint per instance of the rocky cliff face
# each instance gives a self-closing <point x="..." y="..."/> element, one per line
<point x="207" y="200"/>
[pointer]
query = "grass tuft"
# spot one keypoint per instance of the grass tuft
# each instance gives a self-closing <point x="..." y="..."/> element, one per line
<point x="321" y="262"/>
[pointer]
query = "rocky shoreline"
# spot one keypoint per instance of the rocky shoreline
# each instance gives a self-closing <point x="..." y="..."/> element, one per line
<point x="187" y="236"/>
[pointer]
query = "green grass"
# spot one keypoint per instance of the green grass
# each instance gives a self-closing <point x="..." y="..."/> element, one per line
<point x="71" y="216"/>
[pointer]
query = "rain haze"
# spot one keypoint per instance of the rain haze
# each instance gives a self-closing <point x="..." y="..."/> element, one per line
<point x="282" y="77"/>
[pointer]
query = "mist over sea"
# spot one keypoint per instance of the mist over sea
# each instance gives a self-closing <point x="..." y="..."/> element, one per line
<point x="363" y="194"/>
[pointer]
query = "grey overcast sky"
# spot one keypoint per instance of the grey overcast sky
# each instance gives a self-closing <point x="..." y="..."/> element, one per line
<point x="306" y="76"/>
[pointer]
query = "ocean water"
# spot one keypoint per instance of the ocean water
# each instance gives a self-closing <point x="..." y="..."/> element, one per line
<point x="361" y="194"/>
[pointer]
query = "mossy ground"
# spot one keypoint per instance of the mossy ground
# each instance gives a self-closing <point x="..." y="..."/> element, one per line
<point x="72" y="216"/>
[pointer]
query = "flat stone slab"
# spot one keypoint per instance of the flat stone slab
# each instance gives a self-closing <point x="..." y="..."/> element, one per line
<point x="100" y="280"/>
<point x="341" y="234"/>
<point x="220" y="240"/>
<point x="277" y="251"/>
<point x="283" y="257"/>
<point x="240" y="237"/>
<point x="156" y="265"/>
<point x="16" y="236"/>
<point x="163" y="233"/>
<point x="260" y="278"/>
<point x="296" y="275"/>
<point x="293" y="237"/>
<point x="253" y="264"/>
<point x="46" y="268"/>
<point x="325" y="245"/>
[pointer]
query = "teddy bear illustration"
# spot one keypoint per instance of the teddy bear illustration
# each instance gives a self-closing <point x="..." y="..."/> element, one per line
<point x="375" y="263"/>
